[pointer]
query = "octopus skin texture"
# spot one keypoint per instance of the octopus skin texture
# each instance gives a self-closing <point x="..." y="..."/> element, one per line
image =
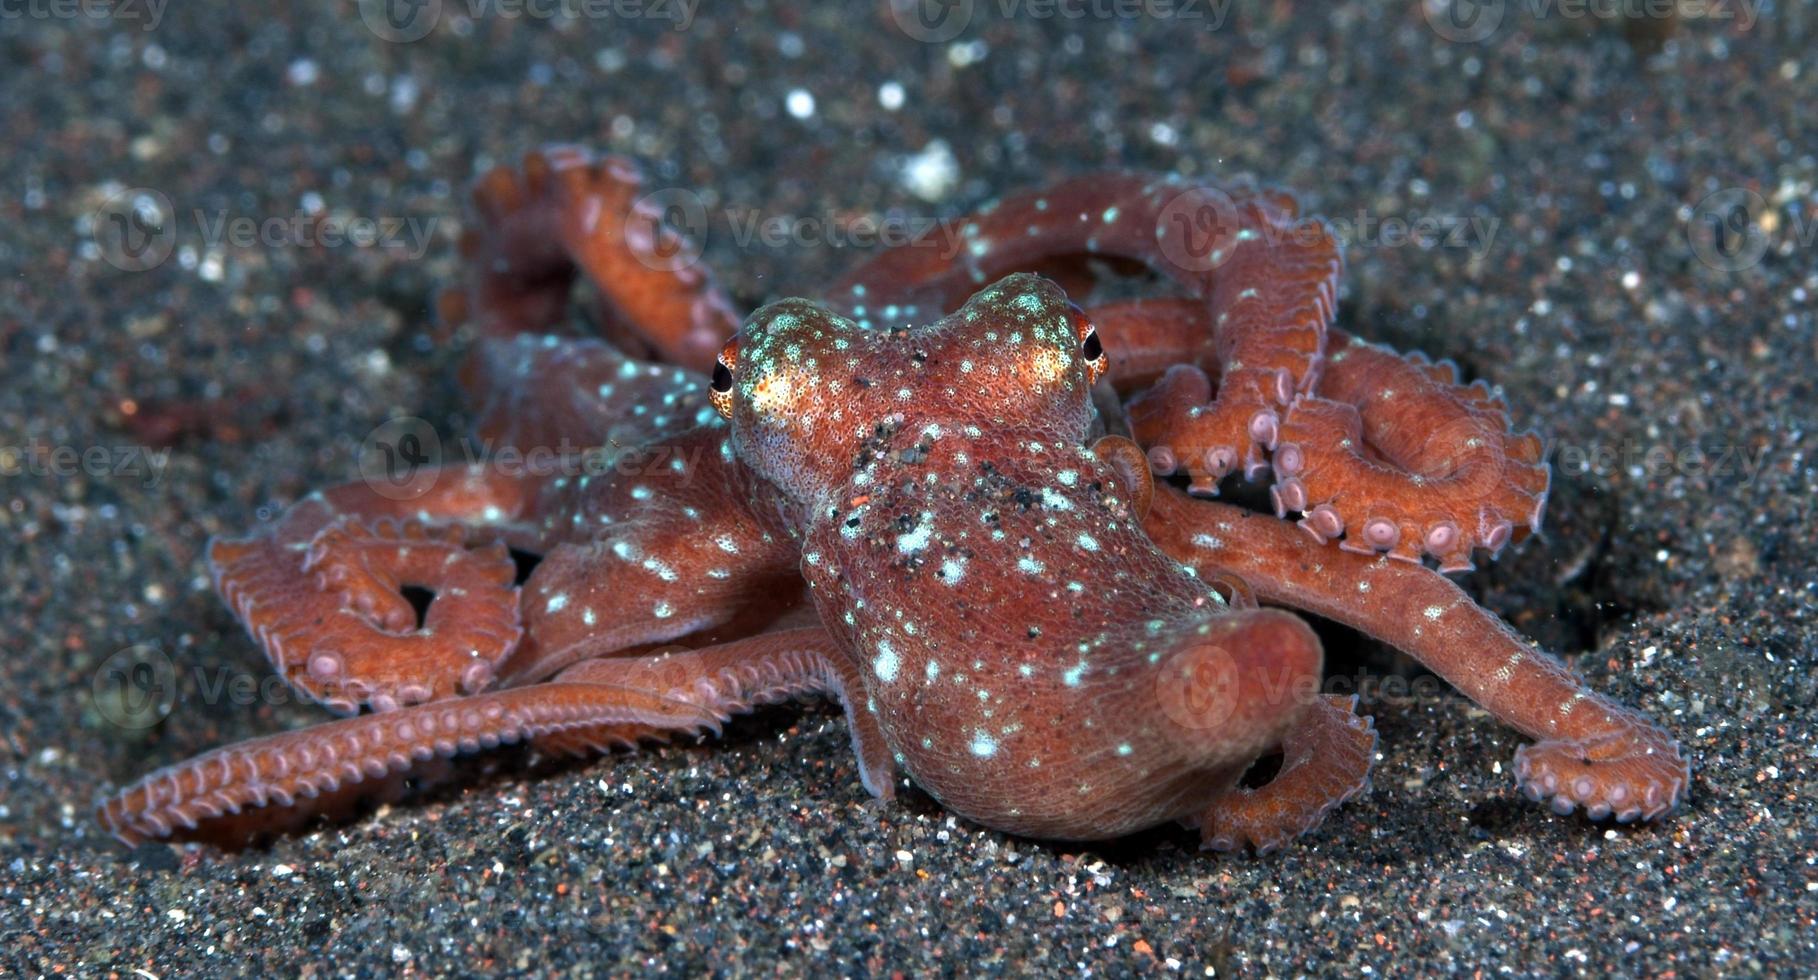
<point x="979" y="517"/>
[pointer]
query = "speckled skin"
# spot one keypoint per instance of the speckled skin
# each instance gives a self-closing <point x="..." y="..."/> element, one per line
<point x="1015" y="628"/>
<point x="1009" y="608"/>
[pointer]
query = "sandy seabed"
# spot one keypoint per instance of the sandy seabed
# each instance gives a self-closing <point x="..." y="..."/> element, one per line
<point x="1576" y="166"/>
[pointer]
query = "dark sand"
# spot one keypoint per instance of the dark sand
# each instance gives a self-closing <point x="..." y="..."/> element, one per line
<point x="1684" y="586"/>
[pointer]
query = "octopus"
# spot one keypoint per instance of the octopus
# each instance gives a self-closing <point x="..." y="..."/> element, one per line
<point x="983" y="519"/>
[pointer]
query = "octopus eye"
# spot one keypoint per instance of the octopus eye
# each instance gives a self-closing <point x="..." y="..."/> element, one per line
<point x="1091" y="347"/>
<point x="719" y="390"/>
<point x="1093" y="350"/>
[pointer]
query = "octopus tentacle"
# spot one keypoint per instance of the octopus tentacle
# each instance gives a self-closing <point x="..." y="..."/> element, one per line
<point x="1268" y="277"/>
<point x="574" y="395"/>
<point x="1126" y="459"/>
<point x="1145" y="337"/>
<point x="321" y="590"/>
<point x="1326" y="761"/>
<point x="1395" y="456"/>
<point x="1274" y="297"/>
<point x="1110" y="216"/>
<point x="565" y="212"/>
<point x="736" y="677"/>
<point x="293" y="768"/>
<point x="675" y="538"/>
<point x="1590" y="752"/>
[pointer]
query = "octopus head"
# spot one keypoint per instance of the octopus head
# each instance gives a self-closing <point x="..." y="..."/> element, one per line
<point x="813" y="395"/>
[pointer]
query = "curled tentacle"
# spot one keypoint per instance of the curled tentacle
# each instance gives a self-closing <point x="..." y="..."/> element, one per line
<point x="397" y="661"/>
<point x="565" y="212"/>
<point x="322" y="589"/>
<point x="1220" y="445"/>
<point x="1269" y="316"/>
<point x="1395" y="456"/>
<point x="1326" y="761"/>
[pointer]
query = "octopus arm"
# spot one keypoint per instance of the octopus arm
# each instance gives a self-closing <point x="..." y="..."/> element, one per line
<point x="1326" y="761"/>
<point x="565" y="213"/>
<point x="734" y="678"/>
<point x="1266" y="278"/>
<point x="295" y="768"/>
<point x="594" y="706"/>
<point x="1398" y="457"/>
<point x="323" y="589"/>
<point x="1589" y="752"/>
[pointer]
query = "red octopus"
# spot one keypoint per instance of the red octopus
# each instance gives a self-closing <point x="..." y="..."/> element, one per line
<point x="945" y="527"/>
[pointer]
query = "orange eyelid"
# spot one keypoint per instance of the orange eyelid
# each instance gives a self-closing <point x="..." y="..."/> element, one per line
<point x="1084" y="328"/>
<point x="729" y="361"/>
<point x="1082" y="325"/>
